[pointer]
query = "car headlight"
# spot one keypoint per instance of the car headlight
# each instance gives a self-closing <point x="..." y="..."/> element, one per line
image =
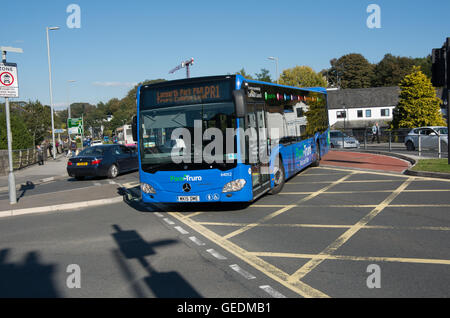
<point x="234" y="185"/>
<point x="146" y="188"/>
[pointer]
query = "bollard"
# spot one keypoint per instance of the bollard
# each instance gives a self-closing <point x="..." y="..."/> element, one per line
<point x="420" y="145"/>
<point x="390" y="141"/>
<point x="439" y="146"/>
<point x="365" y="140"/>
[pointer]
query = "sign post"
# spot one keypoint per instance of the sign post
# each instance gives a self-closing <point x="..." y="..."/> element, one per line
<point x="441" y="76"/>
<point x="9" y="87"/>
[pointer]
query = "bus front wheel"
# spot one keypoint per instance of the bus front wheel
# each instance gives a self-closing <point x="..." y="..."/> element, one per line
<point x="279" y="177"/>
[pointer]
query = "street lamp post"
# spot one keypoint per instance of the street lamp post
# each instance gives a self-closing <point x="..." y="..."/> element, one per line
<point x="276" y="61"/>
<point x="68" y="97"/>
<point x="50" y="84"/>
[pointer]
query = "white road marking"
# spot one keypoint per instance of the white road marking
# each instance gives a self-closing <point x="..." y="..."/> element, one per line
<point x="272" y="292"/>
<point x="241" y="271"/>
<point x="111" y="182"/>
<point x="216" y="254"/>
<point x="97" y="184"/>
<point x="197" y="241"/>
<point x="168" y="221"/>
<point x="158" y="214"/>
<point x="181" y="230"/>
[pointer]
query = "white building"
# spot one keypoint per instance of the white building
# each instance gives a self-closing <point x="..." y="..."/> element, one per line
<point x="362" y="108"/>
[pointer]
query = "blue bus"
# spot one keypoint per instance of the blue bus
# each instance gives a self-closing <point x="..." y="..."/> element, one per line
<point x="225" y="138"/>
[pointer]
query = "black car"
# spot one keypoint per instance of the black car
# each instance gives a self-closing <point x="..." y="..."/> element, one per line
<point x="104" y="160"/>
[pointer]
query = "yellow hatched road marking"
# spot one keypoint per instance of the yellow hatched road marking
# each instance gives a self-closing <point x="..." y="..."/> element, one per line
<point x="369" y="191"/>
<point x="254" y="261"/>
<point x="323" y="257"/>
<point x="191" y="215"/>
<point x="384" y="174"/>
<point x="313" y="263"/>
<point x="286" y="208"/>
<point x="332" y="226"/>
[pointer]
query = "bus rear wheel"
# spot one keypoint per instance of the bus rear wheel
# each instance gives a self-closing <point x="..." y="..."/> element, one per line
<point x="279" y="177"/>
<point x="316" y="162"/>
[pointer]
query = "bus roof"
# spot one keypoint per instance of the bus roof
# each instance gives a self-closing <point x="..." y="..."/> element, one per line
<point x="239" y="79"/>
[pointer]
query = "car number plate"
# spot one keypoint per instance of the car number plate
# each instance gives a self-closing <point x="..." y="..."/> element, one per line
<point x="188" y="198"/>
<point x="82" y="163"/>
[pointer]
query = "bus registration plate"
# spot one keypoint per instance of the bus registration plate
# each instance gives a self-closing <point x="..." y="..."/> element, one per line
<point x="188" y="198"/>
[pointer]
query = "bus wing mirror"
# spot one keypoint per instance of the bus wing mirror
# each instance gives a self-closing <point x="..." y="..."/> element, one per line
<point x="239" y="101"/>
<point x="134" y="128"/>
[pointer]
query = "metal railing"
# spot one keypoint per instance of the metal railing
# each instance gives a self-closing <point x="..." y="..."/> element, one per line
<point x="394" y="141"/>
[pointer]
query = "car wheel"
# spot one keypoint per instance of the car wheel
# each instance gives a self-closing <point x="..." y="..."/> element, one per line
<point x="113" y="171"/>
<point x="410" y="146"/>
<point x="279" y="177"/>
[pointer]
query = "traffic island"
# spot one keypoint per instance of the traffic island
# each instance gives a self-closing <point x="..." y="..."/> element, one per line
<point x="365" y="160"/>
<point x="431" y="168"/>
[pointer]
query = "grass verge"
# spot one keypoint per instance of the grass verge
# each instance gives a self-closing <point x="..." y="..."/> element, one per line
<point x="433" y="165"/>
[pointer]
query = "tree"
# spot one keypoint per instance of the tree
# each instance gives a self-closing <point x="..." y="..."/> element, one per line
<point x="21" y="137"/>
<point x="418" y="105"/>
<point x="264" y="76"/>
<point x="350" y="71"/>
<point x="391" y="70"/>
<point x="37" y="118"/>
<point x="244" y="74"/>
<point x="302" y="76"/>
<point x="425" y="64"/>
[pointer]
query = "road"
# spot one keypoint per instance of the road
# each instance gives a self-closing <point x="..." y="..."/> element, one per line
<point x="320" y="237"/>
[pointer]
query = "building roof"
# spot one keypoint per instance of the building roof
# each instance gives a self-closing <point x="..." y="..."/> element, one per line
<point x="363" y="97"/>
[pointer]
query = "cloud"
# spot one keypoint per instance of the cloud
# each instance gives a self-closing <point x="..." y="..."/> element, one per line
<point x="114" y="84"/>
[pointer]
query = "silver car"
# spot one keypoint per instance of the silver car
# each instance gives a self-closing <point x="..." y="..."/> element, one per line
<point x="337" y="138"/>
<point x="429" y="137"/>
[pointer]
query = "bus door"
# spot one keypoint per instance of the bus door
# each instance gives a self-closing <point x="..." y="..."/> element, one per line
<point x="257" y="147"/>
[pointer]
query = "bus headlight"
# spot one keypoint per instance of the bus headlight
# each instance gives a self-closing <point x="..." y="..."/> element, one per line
<point x="234" y="185"/>
<point x="146" y="188"/>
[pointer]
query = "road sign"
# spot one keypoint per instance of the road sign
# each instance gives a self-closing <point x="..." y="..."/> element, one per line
<point x="9" y="84"/>
<point x="59" y="131"/>
<point x="75" y="125"/>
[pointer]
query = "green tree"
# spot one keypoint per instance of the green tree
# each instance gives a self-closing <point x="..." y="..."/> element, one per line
<point x="418" y="105"/>
<point x="244" y="74"/>
<point x="21" y="137"/>
<point x="391" y="70"/>
<point x="37" y="118"/>
<point x="264" y="76"/>
<point x="425" y="64"/>
<point x="351" y="71"/>
<point x="302" y="76"/>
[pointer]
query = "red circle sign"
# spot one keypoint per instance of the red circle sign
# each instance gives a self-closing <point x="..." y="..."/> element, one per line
<point x="8" y="79"/>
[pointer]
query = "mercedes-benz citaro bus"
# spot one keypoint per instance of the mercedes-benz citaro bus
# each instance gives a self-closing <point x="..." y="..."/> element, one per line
<point x="225" y="138"/>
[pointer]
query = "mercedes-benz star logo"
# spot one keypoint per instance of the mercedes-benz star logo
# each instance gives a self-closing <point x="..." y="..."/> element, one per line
<point x="186" y="187"/>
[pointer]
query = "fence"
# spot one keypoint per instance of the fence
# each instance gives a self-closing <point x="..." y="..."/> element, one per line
<point x="400" y="141"/>
<point x="21" y="158"/>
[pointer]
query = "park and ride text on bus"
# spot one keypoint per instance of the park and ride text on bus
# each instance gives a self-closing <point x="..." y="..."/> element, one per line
<point x="225" y="138"/>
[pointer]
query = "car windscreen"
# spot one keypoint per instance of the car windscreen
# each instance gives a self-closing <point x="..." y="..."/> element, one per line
<point x="93" y="151"/>
<point x="442" y="131"/>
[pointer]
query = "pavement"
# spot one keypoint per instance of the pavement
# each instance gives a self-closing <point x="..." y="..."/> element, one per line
<point x="48" y="188"/>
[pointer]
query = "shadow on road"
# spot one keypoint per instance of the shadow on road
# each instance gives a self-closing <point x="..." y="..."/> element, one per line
<point x="24" y="188"/>
<point x="29" y="279"/>
<point x="162" y="284"/>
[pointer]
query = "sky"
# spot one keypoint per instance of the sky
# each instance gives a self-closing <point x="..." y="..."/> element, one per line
<point x="121" y="43"/>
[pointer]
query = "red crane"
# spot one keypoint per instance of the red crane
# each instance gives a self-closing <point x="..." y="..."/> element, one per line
<point x="184" y="64"/>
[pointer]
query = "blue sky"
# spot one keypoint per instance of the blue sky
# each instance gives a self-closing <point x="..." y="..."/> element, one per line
<point x="125" y="42"/>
